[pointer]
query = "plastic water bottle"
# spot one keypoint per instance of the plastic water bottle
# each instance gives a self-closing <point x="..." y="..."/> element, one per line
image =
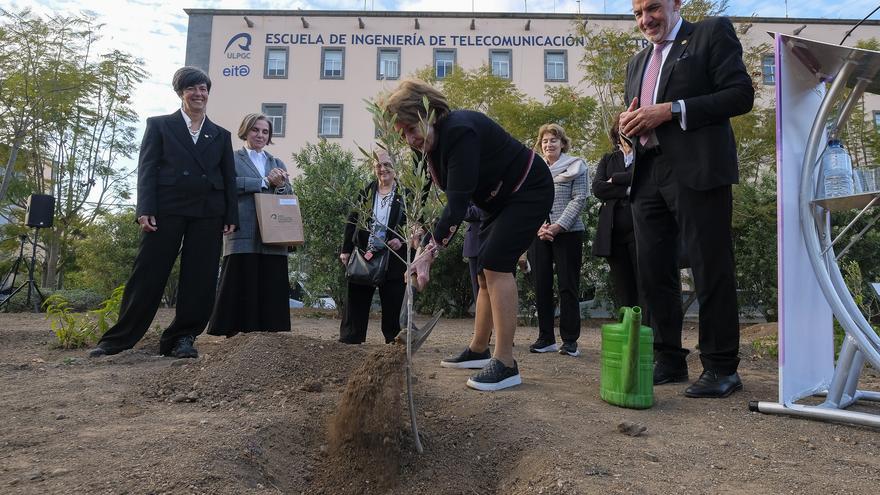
<point x="837" y="174"/>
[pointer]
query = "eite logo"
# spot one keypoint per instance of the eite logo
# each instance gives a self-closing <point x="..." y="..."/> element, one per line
<point x="244" y="46"/>
<point x="236" y="71"/>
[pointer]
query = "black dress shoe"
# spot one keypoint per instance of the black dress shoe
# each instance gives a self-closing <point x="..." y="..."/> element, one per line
<point x="185" y="348"/>
<point x="712" y="385"/>
<point x="664" y="375"/>
<point x="98" y="352"/>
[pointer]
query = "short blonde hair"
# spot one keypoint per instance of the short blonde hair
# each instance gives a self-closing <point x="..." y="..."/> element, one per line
<point x="406" y="102"/>
<point x="249" y="121"/>
<point x="557" y="131"/>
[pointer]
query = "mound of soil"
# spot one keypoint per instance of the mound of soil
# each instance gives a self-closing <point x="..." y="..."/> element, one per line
<point x="298" y="413"/>
<point x="364" y="435"/>
<point x="249" y="368"/>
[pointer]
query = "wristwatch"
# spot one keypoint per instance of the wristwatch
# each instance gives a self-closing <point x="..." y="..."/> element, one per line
<point x="676" y="110"/>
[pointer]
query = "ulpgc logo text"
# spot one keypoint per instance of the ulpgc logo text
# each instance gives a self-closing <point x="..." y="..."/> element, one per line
<point x="244" y="46"/>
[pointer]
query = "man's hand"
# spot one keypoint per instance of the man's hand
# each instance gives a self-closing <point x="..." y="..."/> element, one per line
<point x="148" y="223"/>
<point x="228" y="229"/>
<point x="638" y="121"/>
<point x="343" y="257"/>
<point x="395" y="244"/>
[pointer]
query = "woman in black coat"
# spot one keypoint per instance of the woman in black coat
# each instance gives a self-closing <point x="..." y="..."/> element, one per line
<point x="383" y="196"/>
<point x="614" y="234"/>
<point x="474" y="160"/>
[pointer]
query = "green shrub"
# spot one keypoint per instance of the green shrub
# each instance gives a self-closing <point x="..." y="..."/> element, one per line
<point x="18" y="303"/>
<point x="75" y="329"/>
<point x="324" y="215"/>
<point x="450" y="287"/>
<point x="754" y="239"/>
<point x="80" y="300"/>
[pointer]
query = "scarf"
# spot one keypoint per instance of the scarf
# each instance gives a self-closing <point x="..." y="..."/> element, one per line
<point x="567" y="168"/>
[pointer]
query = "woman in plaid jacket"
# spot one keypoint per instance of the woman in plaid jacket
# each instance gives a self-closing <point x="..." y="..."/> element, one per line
<point x="559" y="245"/>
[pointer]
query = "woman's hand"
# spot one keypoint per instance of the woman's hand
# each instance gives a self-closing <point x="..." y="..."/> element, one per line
<point x="343" y="258"/>
<point x="416" y="238"/>
<point x="545" y="234"/>
<point x="147" y="223"/>
<point x="277" y="177"/>
<point x="395" y="244"/>
<point x="421" y="266"/>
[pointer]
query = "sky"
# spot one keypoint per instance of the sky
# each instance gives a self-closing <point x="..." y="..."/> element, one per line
<point x="155" y="30"/>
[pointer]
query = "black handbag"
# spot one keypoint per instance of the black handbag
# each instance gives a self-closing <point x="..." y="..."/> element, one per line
<point x="362" y="272"/>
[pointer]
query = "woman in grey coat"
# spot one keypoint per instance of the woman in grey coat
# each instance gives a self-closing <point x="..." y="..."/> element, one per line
<point x="253" y="295"/>
<point x="559" y="244"/>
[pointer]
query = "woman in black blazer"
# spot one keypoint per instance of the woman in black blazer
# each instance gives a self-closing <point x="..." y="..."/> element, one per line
<point x="614" y="234"/>
<point x="383" y="197"/>
<point x="474" y="160"/>
<point x="186" y="200"/>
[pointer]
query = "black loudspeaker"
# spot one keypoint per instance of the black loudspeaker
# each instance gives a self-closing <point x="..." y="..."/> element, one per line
<point x="40" y="211"/>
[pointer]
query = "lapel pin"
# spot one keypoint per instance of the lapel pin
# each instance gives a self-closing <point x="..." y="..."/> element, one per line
<point x="684" y="42"/>
<point x="207" y="136"/>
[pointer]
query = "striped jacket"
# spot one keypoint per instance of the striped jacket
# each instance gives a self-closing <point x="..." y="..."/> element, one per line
<point x="568" y="202"/>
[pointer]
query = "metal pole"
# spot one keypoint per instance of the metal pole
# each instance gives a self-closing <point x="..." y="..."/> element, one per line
<point x="31" y="283"/>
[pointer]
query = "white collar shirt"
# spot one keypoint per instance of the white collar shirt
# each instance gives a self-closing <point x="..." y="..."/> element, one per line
<point x="193" y="134"/>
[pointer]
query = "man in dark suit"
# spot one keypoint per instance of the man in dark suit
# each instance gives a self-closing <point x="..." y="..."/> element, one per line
<point x="186" y="199"/>
<point x="683" y="89"/>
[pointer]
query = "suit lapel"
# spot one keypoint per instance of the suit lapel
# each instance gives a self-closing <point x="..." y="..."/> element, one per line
<point x="635" y="83"/>
<point x="181" y="132"/>
<point x="242" y="152"/>
<point x="675" y="54"/>
<point x="209" y="134"/>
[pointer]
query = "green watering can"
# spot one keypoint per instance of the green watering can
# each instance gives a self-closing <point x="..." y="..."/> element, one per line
<point x="627" y="377"/>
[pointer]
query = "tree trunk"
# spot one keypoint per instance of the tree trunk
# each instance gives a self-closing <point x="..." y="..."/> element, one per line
<point x="10" y="165"/>
<point x="53" y="246"/>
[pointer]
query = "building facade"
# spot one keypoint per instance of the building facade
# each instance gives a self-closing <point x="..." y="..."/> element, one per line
<point x="310" y="71"/>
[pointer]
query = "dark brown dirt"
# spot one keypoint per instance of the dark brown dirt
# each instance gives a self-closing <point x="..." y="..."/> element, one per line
<point x="255" y="414"/>
<point x="364" y="434"/>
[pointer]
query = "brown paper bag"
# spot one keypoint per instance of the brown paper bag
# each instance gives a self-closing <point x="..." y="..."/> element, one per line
<point x="279" y="219"/>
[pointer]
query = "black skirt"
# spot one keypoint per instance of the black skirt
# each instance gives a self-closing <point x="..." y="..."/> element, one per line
<point x="253" y="295"/>
<point x="508" y="232"/>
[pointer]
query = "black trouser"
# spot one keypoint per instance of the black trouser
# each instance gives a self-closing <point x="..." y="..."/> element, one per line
<point x="353" y="329"/>
<point x="565" y="252"/>
<point x="199" y="242"/>
<point x="661" y="209"/>
<point x="624" y="274"/>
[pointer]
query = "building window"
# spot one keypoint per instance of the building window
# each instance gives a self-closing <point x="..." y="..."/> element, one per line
<point x="444" y="61"/>
<point x="768" y="69"/>
<point x="876" y="115"/>
<point x="276" y="63"/>
<point x="332" y="63"/>
<point x="500" y="62"/>
<point x="277" y="113"/>
<point x="555" y="66"/>
<point x="388" y="66"/>
<point x="329" y="121"/>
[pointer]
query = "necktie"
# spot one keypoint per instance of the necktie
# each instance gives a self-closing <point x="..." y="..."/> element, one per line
<point x="650" y="82"/>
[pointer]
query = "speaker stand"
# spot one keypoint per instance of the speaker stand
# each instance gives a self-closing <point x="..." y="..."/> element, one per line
<point x="29" y="283"/>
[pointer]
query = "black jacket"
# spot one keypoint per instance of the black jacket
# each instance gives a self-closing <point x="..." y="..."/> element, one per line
<point x="396" y="219"/>
<point x="177" y="177"/>
<point x="615" y="217"/>
<point x="704" y="68"/>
